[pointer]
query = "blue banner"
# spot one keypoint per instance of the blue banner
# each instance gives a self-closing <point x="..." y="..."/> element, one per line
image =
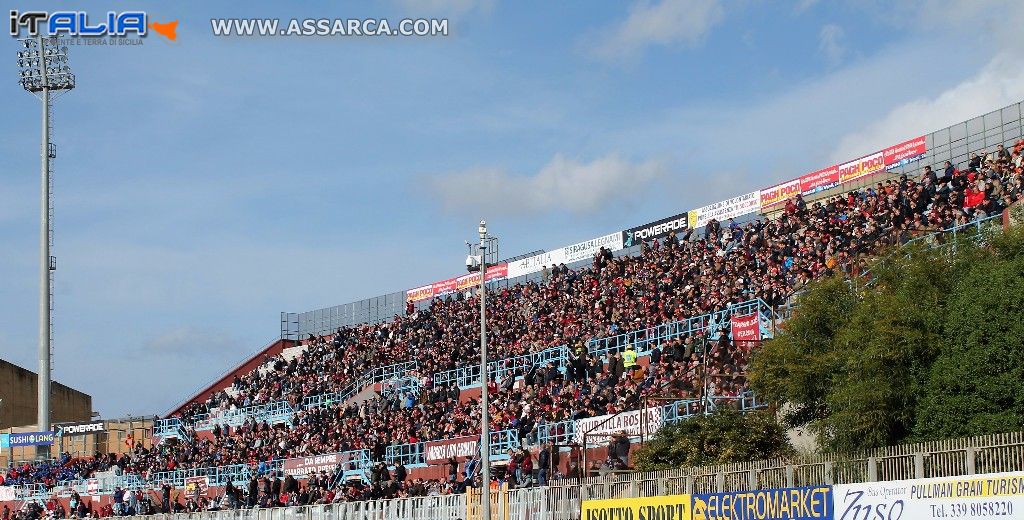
<point x="15" y="440"/>
<point x="803" y="503"/>
<point x="4" y="441"/>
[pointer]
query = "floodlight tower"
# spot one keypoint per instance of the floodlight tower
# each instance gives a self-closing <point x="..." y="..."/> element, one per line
<point x="44" y="70"/>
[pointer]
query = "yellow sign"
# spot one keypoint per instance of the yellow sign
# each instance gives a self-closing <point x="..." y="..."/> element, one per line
<point x="672" y="507"/>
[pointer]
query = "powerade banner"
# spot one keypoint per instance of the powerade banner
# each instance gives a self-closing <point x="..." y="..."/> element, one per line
<point x="999" y="495"/>
<point x="802" y="503"/>
<point x="83" y="428"/>
<point x="672" y="507"/>
<point x="655" y="230"/>
<point x="15" y="440"/>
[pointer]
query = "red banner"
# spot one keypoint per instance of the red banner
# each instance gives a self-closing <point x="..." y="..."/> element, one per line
<point x="302" y="466"/>
<point x="779" y="193"/>
<point x="746" y="328"/>
<point x="820" y="180"/>
<point x="862" y="167"/>
<point x="905" y="152"/>
<point x="459" y="448"/>
<point x="451" y="285"/>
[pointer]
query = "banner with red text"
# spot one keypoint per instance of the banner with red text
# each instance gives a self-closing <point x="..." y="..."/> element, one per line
<point x="779" y="193"/>
<point x="494" y="272"/>
<point x="868" y="165"/>
<point x="459" y="448"/>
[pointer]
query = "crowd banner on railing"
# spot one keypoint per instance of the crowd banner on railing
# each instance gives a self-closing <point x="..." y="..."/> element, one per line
<point x="459" y="448"/>
<point x="867" y="165"/>
<point x="198" y="486"/>
<point x="801" y="503"/>
<point x="779" y="193"/>
<point x="7" y="493"/>
<point x="670" y="507"/>
<point x="746" y="328"/>
<point x="726" y="209"/>
<point x="302" y="466"/>
<point x="999" y="495"/>
<point x="821" y="180"/>
<point x="655" y="230"/>
<point x="630" y="423"/>
<point x="905" y="152"/>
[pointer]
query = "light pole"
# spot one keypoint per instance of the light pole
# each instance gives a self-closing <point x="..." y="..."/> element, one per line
<point x="43" y="67"/>
<point x="488" y="245"/>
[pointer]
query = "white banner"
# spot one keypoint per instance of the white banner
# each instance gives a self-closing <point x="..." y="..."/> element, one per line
<point x="7" y="493"/>
<point x="726" y="209"/>
<point x="628" y="422"/>
<point x="535" y="263"/>
<point x="587" y="249"/>
<point x="996" y="495"/>
<point x="565" y="255"/>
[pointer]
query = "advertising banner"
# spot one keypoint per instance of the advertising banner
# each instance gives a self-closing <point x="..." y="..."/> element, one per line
<point x="999" y="495"/>
<point x="82" y="428"/>
<point x="586" y="250"/>
<point x="7" y="493"/>
<point x="671" y="507"/>
<point x="300" y="467"/>
<point x="802" y="503"/>
<point x="726" y="209"/>
<point x="420" y="293"/>
<point x="905" y="152"/>
<point x="655" y="230"/>
<point x="779" y="193"/>
<point x="821" y="180"/>
<point x="746" y="328"/>
<point x="629" y="422"/>
<point x="459" y="448"/>
<point x="15" y="440"/>
<point x="862" y="167"/>
<point x="535" y="263"/>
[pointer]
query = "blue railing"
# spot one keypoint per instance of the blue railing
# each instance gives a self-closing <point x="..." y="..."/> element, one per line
<point x="168" y="428"/>
<point x="373" y="376"/>
<point x="272" y="413"/>
<point x="407" y="454"/>
<point x="644" y="340"/>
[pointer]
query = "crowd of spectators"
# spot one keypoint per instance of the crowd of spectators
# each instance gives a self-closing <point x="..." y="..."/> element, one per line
<point x="682" y="276"/>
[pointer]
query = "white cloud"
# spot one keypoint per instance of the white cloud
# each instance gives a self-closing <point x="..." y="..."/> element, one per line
<point x="803" y="5"/>
<point x="830" y="43"/>
<point x="998" y="84"/>
<point x="666" y="23"/>
<point x="562" y="184"/>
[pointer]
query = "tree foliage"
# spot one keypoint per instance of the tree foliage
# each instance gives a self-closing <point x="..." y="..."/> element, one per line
<point x="930" y="348"/>
<point x="721" y="437"/>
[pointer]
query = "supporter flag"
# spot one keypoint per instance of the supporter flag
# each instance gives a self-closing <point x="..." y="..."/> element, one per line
<point x="746" y="328"/>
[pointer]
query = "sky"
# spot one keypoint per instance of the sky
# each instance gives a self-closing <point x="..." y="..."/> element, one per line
<point x="202" y="186"/>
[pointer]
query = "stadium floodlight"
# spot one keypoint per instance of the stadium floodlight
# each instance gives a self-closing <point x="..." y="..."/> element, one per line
<point x="487" y="248"/>
<point x="43" y="70"/>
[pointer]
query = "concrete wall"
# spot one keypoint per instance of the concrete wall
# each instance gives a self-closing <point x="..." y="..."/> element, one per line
<point x="18" y="391"/>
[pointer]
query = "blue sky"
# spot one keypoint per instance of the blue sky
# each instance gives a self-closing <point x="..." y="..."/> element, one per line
<point x="206" y="185"/>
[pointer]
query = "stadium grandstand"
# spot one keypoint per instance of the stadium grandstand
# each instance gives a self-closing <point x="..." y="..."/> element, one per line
<point x="372" y="408"/>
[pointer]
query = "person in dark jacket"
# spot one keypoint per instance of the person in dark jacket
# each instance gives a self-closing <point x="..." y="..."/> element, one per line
<point x="400" y="473"/>
<point x="543" y="464"/>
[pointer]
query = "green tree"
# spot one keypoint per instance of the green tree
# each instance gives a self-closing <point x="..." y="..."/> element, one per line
<point x="976" y="385"/>
<point x="721" y="437"/>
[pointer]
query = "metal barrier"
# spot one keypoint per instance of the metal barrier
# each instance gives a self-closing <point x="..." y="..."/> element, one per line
<point x="170" y="428"/>
<point x="272" y="413"/>
<point x="407" y="454"/>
